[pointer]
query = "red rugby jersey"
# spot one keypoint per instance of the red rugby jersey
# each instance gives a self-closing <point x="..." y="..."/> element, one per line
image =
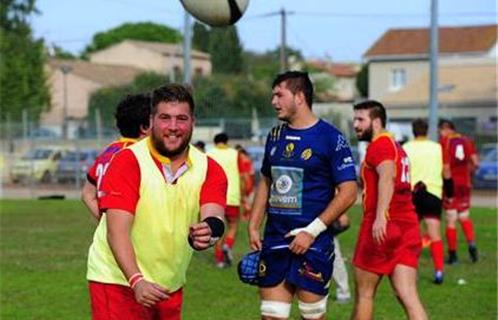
<point x="383" y="148"/>
<point x="457" y="152"/>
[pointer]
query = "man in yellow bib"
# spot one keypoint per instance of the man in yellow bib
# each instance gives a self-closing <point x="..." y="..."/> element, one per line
<point x="161" y="198"/>
<point x="230" y="161"/>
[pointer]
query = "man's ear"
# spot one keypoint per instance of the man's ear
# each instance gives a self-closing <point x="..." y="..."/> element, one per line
<point x="299" y="96"/>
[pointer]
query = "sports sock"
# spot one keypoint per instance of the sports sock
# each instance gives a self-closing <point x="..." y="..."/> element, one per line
<point x="451" y="238"/>
<point x="468" y="229"/>
<point x="229" y="242"/>
<point x="218" y="255"/>
<point x="437" y="253"/>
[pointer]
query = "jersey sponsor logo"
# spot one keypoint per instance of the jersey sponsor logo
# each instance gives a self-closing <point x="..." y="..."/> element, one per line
<point x="307" y="271"/>
<point x="306" y="154"/>
<point x="341" y="143"/>
<point x="286" y="190"/>
<point x="294" y="138"/>
<point x="346" y="163"/>
<point x="289" y="150"/>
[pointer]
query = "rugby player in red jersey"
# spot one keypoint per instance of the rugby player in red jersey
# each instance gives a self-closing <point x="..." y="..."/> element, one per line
<point x="389" y="238"/>
<point x="132" y="120"/>
<point x="459" y="161"/>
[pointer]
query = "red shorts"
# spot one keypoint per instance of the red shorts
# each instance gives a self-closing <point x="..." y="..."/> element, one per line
<point x="232" y="212"/>
<point x="115" y="302"/>
<point x="402" y="245"/>
<point x="461" y="199"/>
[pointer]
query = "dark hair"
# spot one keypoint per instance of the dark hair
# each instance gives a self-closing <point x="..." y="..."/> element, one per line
<point x="172" y="92"/>
<point x="420" y="127"/>
<point x="133" y="114"/>
<point x="221" y="138"/>
<point x="296" y="81"/>
<point x="445" y="123"/>
<point x="375" y="108"/>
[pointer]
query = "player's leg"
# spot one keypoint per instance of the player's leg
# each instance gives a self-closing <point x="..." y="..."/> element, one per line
<point x="437" y="249"/>
<point x="311" y="306"/>
<point x="366" y="284"/>
<point x="451" y="235"/>
<point x="466" y="222"/>
<point x="276" y="301"/>
<point x="232" y="217"/>
<point x="404" y="282"/>
<point x="340" y="275"/>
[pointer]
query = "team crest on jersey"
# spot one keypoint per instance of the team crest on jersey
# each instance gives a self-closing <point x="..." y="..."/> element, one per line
<point x="289" y="150"/>
<point x="262" y="268"/>
<point x="306" y="154"/>
<point x="307" y="271"/>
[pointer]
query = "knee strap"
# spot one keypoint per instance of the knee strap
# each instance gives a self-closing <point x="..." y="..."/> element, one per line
<point x="276" y="309"/>
<point x="313" y="310"/>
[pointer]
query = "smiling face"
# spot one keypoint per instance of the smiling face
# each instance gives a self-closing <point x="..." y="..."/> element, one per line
<point x="172" y="127"/>
<point x="283" y="100"/>
<point x="363" y="125"/>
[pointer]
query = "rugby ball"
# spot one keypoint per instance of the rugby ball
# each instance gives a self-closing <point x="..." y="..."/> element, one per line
<point x="216" y="13"/>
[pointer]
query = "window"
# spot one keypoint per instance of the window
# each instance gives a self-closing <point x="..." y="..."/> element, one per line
<point x="398" y="79"/>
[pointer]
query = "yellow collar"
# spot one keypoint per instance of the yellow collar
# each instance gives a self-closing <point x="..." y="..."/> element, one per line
<point x="162" y="159"/>
<point x="383" y="134"/>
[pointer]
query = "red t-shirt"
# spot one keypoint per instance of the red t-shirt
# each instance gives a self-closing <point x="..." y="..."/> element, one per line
<point x="381" y="149"/>
<point x="457" y="152"/>
<point x="121" y="184"/>
<point x="246" y="167"/>
<point x="97" y="170"/>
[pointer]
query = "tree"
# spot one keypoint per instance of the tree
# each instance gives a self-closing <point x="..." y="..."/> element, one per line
<point x="362" y="81"/>
<point x="22" y="79"/>
<point x="226" y="50"/>
<point x="200" y="38"/>
<point x="145" y="31"/>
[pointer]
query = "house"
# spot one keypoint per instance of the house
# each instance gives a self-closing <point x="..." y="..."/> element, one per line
<point x="80" y="80"/>
<point x="342" y="77"/>
<point x="163" y="58"/>
<point x="399" y="74"/>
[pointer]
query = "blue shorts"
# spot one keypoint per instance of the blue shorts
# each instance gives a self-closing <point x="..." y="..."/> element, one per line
<point x="310" y="272"/>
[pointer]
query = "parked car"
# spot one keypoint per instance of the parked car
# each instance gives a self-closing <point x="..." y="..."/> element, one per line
<point x="486" y="176"/>
<point x="75" y="164"/>
<point x="39" y="164"/>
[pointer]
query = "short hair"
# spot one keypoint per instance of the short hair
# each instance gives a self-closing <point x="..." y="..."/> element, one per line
<point x="375" y="108"/>
<point x="221" y="138"/>
<point x="172" y="92"/>
<point x="200" y="144"/>
<point x="420" y="127"/>
<point x="446" y="123"/>
<point x="296" y="81"/>
<point x="132" y="115"/>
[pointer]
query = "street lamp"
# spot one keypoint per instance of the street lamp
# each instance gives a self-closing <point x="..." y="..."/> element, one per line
<point x="65" y="69"/>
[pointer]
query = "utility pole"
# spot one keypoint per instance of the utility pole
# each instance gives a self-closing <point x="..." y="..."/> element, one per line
<point x="65" y="69"/>
<point x="187" y="44"/>
<point x="283" y="45"/>
<point x="433" y="89"/>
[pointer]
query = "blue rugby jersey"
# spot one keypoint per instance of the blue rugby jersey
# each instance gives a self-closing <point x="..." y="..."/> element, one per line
<point x="304" y="166"/>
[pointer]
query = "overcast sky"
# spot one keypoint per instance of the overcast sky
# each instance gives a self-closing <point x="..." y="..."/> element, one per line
<point x="340" y="30"/>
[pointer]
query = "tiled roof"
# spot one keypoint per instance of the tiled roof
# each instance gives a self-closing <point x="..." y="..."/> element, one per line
<point x="167" y="48"/>
<point x="335" y="69"/>
<point x="106" y="75"/>
<point x="399" y="42"/>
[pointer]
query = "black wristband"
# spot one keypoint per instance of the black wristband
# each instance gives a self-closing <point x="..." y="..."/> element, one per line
<point x="336" y="228"/>
<point x="216" y="225"/>
<point x="448" y="187"/>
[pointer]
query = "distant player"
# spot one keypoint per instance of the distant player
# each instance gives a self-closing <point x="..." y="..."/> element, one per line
<point x="459" y="161"/>
<point x="132" y="120"/>
<point x="248" y="176"/>
<point x="229" y="159"/>
<point x="426" y="164"/>
<point x="389" y="238"/>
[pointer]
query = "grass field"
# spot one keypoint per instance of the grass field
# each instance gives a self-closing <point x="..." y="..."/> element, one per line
<point x="44" y="244"/>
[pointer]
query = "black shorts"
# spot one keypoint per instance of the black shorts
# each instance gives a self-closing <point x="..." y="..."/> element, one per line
<point x="427" y="204"/>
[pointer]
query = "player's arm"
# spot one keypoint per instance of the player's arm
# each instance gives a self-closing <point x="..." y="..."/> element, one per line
<point x="344" y="198"/>
<point x="119" y="224"/>
<point x="386" y="171"/>
<point x="89" y="198"/>
<point x="210" y="229"/>
<point x="258" y="213"/>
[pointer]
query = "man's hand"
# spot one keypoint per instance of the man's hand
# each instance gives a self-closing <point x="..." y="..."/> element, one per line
<point x="148" y="293"/>
<point x="254" y="239"/>
<point x="379" y="229"/>
<point x="200" y="236"/>
<point x="301" y="243"/>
